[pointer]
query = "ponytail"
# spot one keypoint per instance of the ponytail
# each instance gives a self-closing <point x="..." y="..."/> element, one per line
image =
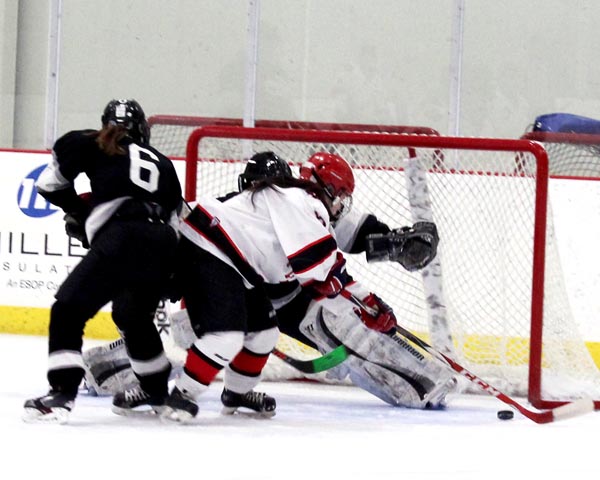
<point x="108" y="139"/>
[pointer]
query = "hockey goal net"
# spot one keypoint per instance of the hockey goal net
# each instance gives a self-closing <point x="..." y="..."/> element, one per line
<point x="571" y="155"/>
<point x="494" y="298"/>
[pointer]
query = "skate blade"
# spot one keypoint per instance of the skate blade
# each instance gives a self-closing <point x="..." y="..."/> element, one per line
<point x="171" y="416"/>
<point x="143" y="412"/>
<point x="56" y="415"/>
<point x="246" y="412"/>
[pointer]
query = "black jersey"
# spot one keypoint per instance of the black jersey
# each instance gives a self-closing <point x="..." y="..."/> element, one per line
<point x="141" y="173"/>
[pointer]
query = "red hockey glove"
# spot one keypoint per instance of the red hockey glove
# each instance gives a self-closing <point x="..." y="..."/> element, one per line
<point x="385" y="319"/>
<point x="335" y="282"/>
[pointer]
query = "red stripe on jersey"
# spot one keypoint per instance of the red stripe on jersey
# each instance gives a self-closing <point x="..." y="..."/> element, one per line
<point x="209" y="227"/>
<point x="200" y="367"/>
<point x="248" y="363"/>
<point x="215" y="223"/>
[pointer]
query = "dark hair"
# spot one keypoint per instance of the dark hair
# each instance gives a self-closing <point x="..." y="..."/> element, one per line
<point x="109" y="137"/>
<point x="289" y="182"/>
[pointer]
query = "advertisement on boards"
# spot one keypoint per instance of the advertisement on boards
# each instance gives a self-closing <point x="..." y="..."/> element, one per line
<point x="35" y="253"/>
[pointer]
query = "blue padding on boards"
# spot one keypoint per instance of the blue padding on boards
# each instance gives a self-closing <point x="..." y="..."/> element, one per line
<point x="566" y="123"/>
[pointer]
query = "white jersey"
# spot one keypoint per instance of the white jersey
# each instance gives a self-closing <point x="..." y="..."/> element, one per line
<point x="346" y="229"/>
<point x="274" y="235"/>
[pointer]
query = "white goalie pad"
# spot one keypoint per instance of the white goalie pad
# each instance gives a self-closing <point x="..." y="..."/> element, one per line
<point x="182" y="333"/>
<point x="388" y="367"/>
<point x="107" y="369"/>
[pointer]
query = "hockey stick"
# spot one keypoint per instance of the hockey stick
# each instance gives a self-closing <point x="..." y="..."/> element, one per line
<point x="315" y="365"/>
<point x="568" y="410"/>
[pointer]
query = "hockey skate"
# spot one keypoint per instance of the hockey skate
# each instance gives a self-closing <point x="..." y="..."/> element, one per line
<point x="260" y="404"/>
<point x="137" y="402"/>
<point x="179" y="407"/>
<point x="54" y="407"/>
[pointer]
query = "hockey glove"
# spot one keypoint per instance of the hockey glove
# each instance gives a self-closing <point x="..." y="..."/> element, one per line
<point x="337" y="279"/>
<point x="76" y="217"/>
<point x="75" y="228"/>
<point x="413" y="247"/>
<point x="384" y="320"/>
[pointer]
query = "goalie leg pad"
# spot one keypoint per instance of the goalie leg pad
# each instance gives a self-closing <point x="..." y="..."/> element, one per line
<point x="182" y="333"/>
<point x="384" y="384"/>
<point x="313" y="329"/>
<point x="389" y="368"/>
<point x="107" y="369"/>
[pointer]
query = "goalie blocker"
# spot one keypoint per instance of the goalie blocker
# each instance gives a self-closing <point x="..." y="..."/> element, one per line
<point x="413" y="247"/>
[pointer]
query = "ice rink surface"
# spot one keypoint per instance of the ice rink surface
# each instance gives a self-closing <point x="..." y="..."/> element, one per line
<point x="319" y="432"/>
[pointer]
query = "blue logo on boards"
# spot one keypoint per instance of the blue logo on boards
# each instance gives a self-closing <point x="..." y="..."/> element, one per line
<point x="30" y="203"/>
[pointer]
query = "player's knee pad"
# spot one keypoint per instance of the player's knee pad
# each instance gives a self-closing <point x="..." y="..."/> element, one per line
<point x="262" y="341"/>
<point x="220" y="347"/>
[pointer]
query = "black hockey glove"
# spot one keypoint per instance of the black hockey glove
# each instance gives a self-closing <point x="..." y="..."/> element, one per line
<point x="413" y="247"/>
<point x="75" y="227"/>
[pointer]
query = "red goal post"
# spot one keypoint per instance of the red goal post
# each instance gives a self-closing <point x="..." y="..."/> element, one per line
<point x="484" y="300"/>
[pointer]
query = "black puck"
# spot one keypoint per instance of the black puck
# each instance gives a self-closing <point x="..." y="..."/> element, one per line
<point x="505" y="414"/>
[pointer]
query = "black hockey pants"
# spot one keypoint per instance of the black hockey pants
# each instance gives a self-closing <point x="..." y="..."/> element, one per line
<point x="129" y="263"/>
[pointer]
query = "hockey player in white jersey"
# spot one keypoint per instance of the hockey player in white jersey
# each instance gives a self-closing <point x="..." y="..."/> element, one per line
<point x="389" y="369"/>
<point x="276" y="231"/>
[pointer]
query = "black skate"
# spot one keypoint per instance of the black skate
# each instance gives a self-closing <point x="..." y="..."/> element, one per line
<point x="135" y="402"/>
<point x="179" y="407"/>
<point x="260" y="404"/>
<point x="54" y="407"/>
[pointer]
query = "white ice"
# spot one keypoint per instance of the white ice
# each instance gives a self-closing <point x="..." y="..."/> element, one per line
<point x="319" y="432"/>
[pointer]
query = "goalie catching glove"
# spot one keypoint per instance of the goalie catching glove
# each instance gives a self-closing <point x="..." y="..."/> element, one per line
<point x="413" y="247"/>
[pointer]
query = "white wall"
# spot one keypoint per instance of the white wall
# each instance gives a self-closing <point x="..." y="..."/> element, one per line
<point x="8" y="60"/>
<point x="382" y="61"/>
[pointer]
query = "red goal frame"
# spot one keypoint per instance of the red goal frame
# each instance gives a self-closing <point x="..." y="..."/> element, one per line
<point x="420" y="141"/>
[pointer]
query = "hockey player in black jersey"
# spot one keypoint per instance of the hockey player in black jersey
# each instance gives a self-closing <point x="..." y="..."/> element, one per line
<point x="127" y="221"/>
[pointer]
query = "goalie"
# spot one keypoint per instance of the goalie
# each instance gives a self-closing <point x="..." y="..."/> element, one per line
<point x="395" y="372"/>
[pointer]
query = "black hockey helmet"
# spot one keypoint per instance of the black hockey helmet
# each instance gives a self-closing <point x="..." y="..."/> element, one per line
<point x="263" y="165"/>
<point x="130" y="115"/>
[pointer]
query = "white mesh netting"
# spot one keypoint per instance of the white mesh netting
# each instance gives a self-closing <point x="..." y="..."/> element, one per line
<point x="479" y="291"/>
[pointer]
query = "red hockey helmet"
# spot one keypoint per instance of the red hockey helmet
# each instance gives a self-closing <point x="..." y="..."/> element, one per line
<point x="334" y="174"/>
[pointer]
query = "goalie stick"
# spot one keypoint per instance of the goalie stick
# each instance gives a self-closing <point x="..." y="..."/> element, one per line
<point x="568" y="410"/>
